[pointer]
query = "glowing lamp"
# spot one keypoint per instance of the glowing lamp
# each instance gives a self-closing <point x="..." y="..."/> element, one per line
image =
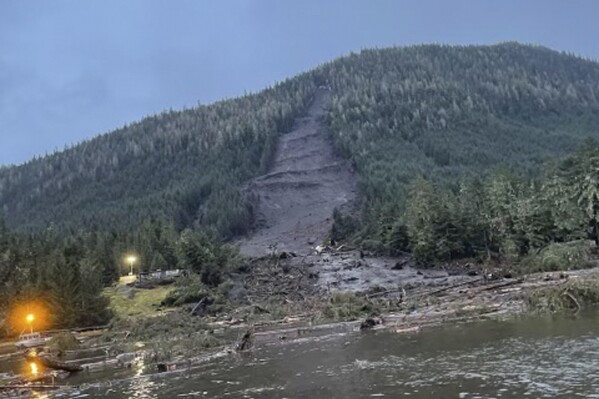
<point x="131" y="259"/>
<point x="33" y="368"/>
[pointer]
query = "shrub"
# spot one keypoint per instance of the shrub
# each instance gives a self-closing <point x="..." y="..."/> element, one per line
<point x="344" y="226"/>
<point x="374" y="246"/>
<point x="347" y="306"/>
<point x="573" y="296"/>
<point x="63" y="342"/>
<point x="559" y="256"/>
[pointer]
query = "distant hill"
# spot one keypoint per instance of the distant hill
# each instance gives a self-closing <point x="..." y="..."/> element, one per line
<point x="442" y="112"/>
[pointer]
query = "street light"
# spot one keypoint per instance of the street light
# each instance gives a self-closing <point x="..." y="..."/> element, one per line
<point x="30" y="317"/>
<point x="131" y="259"/>
<point x="34" y="369"/>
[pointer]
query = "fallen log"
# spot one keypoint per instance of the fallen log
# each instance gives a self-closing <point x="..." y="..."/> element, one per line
<point x="53" y="364"/>
<point x="449" y="287"/>
<point x="401" y="291"/>
<point x="102" y="365"/>
<point x="503" y="285"/>
<point x="400" y="265"/>
<point x="370" y="322"/>
<point x="28" y="386"/>
<point x="195" y="308"/>
<point x="58" y="365"/>
<point x="403" y="330"/>
<point x="573" y="299"/>
<point x="245" y="342"/>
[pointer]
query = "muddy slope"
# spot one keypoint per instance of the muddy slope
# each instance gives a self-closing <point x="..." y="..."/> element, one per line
<point x="298" y="195"/>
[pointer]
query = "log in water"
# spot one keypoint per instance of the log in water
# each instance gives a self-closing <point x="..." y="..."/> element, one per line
<point x="530" y="357"/>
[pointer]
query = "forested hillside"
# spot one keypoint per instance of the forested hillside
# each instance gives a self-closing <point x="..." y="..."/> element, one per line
<point x="180" y="165"/>
<point x="62" y="278"/>
<point x="438" y="111"/>
<point x="445" y="113"/>
<point x="455" y="149"/>
<point x="543" y="223"/>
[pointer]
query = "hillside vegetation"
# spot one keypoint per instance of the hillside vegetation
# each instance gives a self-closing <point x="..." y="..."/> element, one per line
<point x="540" y="224"/>
<point x="438" y="111"/>
<point x="446" y="113"/>
<point x="455" y="151"/>
<point x="180" y="165"/>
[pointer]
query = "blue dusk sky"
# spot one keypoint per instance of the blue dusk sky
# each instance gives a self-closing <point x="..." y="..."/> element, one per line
<point x="70" y="70"/>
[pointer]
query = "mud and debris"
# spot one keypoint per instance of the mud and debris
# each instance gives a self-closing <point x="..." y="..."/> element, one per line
<point x="410" y="309"/>
<point x="306" y="182"/>
<point x="299" y="277"/>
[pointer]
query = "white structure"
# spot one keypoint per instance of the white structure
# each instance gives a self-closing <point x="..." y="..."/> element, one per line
<point x="31" y="340"/>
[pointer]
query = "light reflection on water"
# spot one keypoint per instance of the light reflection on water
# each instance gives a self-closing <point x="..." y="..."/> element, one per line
<point x="536" y="358"/>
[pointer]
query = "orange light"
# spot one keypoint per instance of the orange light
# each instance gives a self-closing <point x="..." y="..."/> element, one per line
<point x="30" y="314"/>
<point x="33" y="368"/>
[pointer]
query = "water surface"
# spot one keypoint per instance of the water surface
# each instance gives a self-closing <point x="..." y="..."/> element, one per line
<point x="525" y="358"/>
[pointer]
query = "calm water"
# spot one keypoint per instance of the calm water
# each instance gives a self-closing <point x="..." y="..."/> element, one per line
<point x="528" y="358"/>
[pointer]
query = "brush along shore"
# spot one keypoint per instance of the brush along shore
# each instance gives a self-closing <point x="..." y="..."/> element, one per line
<point x="280" y="300"/>
<point x="175" y="339"/>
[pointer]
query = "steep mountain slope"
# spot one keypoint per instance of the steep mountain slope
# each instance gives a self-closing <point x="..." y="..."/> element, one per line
<point x="182" y="165"/>
<point x="307" y="181"/>
<point x="439" y="111"/>
<point x="446" y="113"/>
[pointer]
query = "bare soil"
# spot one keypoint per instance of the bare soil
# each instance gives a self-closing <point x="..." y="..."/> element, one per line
<point x="296" y="199"/>
<point x="273" y="278"/>
<point x="306" y="182"/>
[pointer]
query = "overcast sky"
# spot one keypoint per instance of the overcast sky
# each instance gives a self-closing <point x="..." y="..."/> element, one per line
<point x="70" y="70"/>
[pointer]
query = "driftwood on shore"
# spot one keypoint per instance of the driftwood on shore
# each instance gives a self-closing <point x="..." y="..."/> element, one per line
<point x="275" y="279"/>
<point x="199" y="308"/>
<point x="504" y="284"/>
<point x="245" y="342"/>
<point x="11" y="387"/>
<point x="54" y="364"/>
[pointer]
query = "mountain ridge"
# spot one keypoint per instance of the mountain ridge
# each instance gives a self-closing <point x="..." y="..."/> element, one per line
<point x="395" y="113"/>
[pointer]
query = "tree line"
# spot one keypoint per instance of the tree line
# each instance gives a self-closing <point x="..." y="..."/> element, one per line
<point x="67" y="275"/>
<point x="505" y="217"/>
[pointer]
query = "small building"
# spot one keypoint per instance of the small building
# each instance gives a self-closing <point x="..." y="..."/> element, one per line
<point x="158" y="275"/>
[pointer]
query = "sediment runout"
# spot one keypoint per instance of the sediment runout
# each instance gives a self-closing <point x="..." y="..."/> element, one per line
<point x="307" y="181"/>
